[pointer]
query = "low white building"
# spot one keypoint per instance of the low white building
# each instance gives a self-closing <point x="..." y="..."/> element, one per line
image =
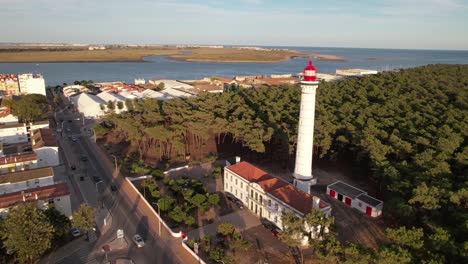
<point x="52" y="196"/>
<point x="115" y="98"/>
<point x="267" y="196"/>
<point x="31" y="84"/>
<point x="139" y="81"/>
<point x="355" y="198"/>
<point x="6" y="118"/>
<point x="44" y="145"/>
<point x="19" y="133"/>
<point x="72" y="90"/>
<point x="28" y="179"/>
<point x="89" y="105"/>
<point x="350" y="72"/>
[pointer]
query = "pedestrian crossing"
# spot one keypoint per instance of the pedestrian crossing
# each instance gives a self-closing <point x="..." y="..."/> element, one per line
<point x="82" y="256"/>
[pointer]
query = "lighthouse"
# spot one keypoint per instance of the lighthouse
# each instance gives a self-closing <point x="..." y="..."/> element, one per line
<point x="303" y="178"/>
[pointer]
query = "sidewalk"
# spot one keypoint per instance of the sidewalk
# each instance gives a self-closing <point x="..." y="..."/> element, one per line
<point x="242" y="220"/>
<point x="75" y="246"/>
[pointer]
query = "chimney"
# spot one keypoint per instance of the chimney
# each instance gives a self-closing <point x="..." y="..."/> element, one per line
<point x="238" y="159"/>
<point x="316" y="202"/>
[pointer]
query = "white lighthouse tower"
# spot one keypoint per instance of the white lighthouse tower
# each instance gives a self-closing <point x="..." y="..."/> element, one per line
<point x="303" y="178"/>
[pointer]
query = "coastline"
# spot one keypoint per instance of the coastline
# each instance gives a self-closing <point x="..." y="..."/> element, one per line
<point x="225" y="55"/>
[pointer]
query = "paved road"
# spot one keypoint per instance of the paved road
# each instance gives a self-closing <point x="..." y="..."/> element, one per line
<point x="124" y="215"/>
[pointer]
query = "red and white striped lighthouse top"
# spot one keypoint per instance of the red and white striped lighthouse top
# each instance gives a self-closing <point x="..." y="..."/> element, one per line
<point x="310" y="73"/>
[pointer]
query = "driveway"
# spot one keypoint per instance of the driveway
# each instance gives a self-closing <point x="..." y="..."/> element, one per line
<point x="242" y="220"/>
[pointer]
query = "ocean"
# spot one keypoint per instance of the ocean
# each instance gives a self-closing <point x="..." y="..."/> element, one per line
<point x="159" y="67"/>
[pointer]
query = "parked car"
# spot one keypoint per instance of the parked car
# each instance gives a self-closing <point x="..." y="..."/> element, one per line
<point x="68" y="129"/>
<point x="84" y="158"/>
<point x="113" y="188"/>
<point x="73" y="138"/>
<point x="239" y="203"/>
<point x="81" y="178"/>
<point x="230" y="196"/>
<point x="75" y="232"/>
<point x="96" y="179"/>
<point x="138" y="240"/>
<point x="270" y="226"/>
<point x="69" y="120"/>
<point x="73" y="167"/>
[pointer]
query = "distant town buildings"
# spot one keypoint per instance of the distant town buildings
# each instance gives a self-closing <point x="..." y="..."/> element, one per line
<point x="96" y="48"/>
<point x="32" y="84"/>
<point x="9" y="84"/>
<point x="28" y="83"/>
<point x="28" y="154"/>
<point x="349" y="72"/>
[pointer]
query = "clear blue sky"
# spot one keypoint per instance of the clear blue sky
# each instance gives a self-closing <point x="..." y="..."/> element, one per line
<point x="419" y="24"/>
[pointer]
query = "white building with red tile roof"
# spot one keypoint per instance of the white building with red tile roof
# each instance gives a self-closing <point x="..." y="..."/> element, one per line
<point x="268" y="196"/>
<point x="56" y="196"/>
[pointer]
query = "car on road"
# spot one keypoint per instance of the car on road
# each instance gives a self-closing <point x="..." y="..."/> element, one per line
<point x="96" y="179"/>
<point x="73" y="138"/>
<point x="73" y="167"/>
<point x="68" y="129"/>
<point x="75" y="232"/>
<point x="113" y="188"/>
<point x="69" y="121"/>
<point x="81" y="178"/>
<point x="59" y="130"/>
<point x="138" y="240"/>
<point x="83" y="158"/>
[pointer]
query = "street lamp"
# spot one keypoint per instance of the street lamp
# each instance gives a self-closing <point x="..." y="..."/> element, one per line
<point x="159" y="213"/>
<point x="94" y="134"/>
<point x="115" y="160"/>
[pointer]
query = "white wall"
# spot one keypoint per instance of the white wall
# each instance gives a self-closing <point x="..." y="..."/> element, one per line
<point x="24" y="185"/>
<point x="30" y="85"/>
<point x="9" y="119"/>
<point x="47" y="157"/>
<point x="61" y="204"/>
<point x="13" y="135"/>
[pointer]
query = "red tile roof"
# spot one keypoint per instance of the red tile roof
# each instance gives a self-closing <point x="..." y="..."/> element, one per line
<point x="43" y="137"/>
<point x="11" y="159"/>
<point x="285" y="192"/>
<point x="31" y="195"/>
<point x="297" y="199"/>
<point x="249" y="171"/>
<point x="271" y="184"/>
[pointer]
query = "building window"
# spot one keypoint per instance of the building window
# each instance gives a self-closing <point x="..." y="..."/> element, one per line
<point x="236" y="182"/>
<point x="276" y="207"/>
<point x="236" y="192"/>
<point x="256" y="196"/>
<point x="269" y="215"/>
<point x="241" y="196"/>
<point x="231" y="189"/>
<point x="251" y="193"/>
<point x="269" y="202"/>
<point x="276" y="219"/>
<point x="261" y="198"/>
<point x="242" y="185"/>
<point x="231" y="177"/>
<point x="227" y="186"/>
<point x="247" y="188"/>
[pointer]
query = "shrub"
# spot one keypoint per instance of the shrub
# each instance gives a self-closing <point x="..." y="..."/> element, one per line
<point x="157" y="174"/>
<point x="225" y="229"/>
<point x="216" y="253"/>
